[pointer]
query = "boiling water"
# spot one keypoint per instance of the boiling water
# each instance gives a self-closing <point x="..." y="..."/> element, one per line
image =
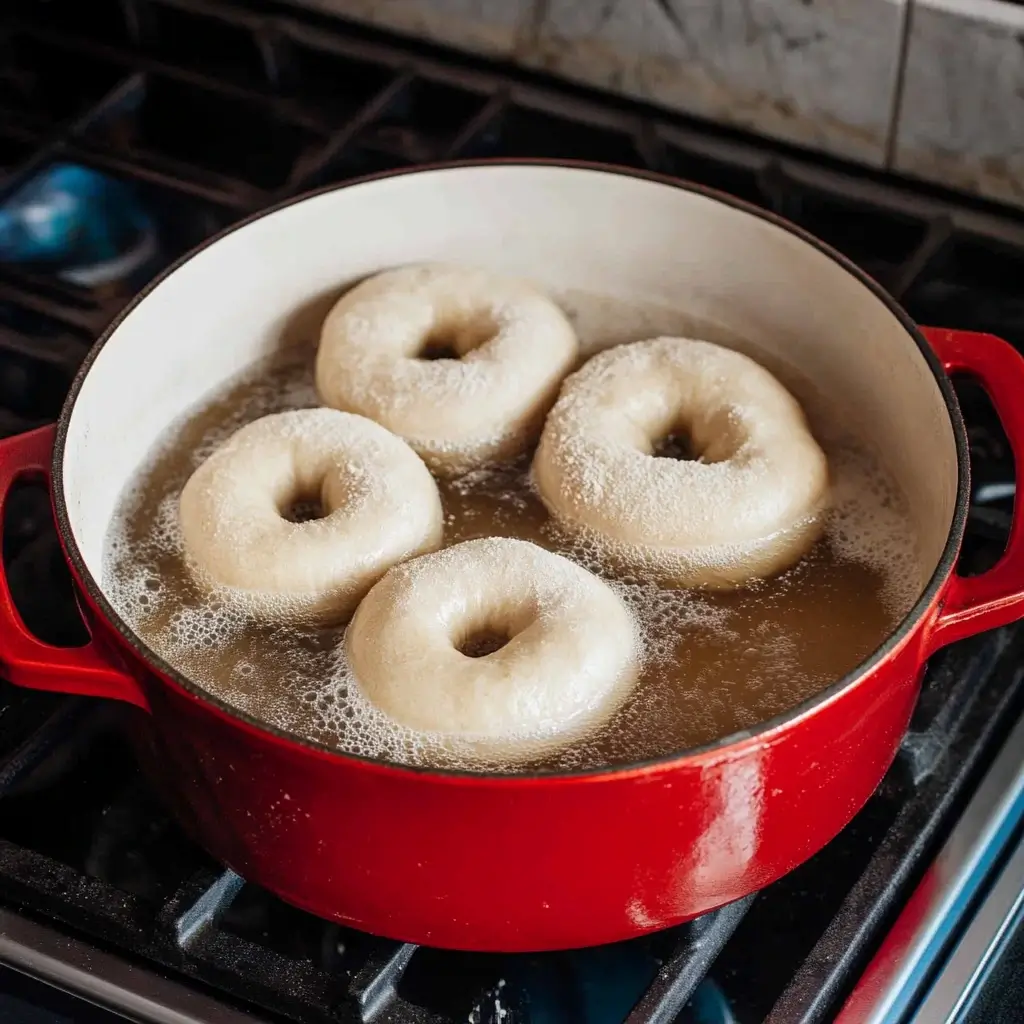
<point x="714" y="662"/>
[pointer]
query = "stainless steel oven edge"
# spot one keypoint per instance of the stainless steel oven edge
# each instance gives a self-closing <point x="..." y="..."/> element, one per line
<point x="939" y="950"/>
<point x="110" y="982"/>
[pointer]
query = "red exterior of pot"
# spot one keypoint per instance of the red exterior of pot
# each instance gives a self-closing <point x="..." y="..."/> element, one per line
<point x="525" y="863"/>
<point x="528" y="862"/>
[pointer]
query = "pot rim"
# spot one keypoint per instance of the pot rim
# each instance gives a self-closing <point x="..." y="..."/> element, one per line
<point x="721" y="748"/>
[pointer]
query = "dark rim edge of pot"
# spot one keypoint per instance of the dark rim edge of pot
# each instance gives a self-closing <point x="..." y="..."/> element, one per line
<point x="721" y="745"/>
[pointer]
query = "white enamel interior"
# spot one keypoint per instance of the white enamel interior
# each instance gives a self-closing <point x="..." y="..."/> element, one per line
<point x="270" y="283"/>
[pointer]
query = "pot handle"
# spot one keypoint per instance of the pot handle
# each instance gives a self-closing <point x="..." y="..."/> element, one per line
<point x="973" y="604"/>
<point x="26" y="660"/>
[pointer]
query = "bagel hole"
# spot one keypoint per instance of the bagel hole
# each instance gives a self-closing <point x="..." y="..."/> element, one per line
<point x="454" y="340"/>
<point x="437" y="348"/>
<point x="676" y="445"/>
<point x="482" y="642"/>
<point x="304" y="510"/>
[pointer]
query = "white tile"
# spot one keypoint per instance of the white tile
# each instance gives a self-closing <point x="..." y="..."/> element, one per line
<point x="961" y="119"/>
<point x="820" y="73"/>
<point x="492" y="28"/>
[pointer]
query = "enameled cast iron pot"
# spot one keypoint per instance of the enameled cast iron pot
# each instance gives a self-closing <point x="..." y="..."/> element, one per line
<point x="523" y="862"/>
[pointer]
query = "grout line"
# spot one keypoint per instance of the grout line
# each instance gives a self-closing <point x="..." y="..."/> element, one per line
<point x="896" y="110"/>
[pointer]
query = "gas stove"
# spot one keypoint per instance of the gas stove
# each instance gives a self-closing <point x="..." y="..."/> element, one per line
<point x="184" y="117"/>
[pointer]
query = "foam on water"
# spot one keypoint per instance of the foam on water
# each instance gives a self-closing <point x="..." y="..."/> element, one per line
<point x="713" y="662"/>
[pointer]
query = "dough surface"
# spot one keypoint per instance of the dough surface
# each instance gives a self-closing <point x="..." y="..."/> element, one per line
<point x="747" y="504"/>
<point x="380" y="506"/>
<point x="570" y="656"/>
<point x="508" y="349"/>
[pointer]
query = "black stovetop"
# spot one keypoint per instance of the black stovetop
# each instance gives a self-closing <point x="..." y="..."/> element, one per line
<point x="180" y="118"/>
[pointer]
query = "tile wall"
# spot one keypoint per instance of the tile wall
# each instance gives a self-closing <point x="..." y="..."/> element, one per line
<point x="931" y="88"/>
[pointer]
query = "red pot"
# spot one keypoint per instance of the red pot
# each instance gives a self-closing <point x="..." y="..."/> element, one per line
<point x="523" y="862"/>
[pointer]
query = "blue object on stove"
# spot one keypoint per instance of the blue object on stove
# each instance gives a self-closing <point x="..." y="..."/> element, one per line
<point x="91" y="228"/>
<point x="601" y="986"/>
<point x="708" y="1006"/>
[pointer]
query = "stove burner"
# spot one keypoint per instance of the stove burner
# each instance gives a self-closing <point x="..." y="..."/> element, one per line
<point x="187" y="116"/>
